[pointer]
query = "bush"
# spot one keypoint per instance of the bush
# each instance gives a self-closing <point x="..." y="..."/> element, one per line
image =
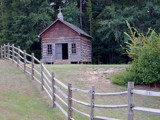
<point x="37" y="54"/>
<point x="147" y="65"/>
<point x="145" y="52"/>
<point x="123" y="78"/>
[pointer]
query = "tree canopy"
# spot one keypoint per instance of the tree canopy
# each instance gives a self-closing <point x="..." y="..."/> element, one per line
<point x="22" y="20"/>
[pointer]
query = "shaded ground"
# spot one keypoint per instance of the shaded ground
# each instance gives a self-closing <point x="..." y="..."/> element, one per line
<point x="20" y="98"/>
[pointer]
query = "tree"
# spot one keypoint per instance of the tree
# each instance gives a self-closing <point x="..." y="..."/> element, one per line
<point x="71" y="13"/>
<point x="145" y="52"/>
<point x="22" y="22"/>
<point x="1" y="27"/>
<point x="89" y="12"/>
<point x="111" y="25"/>
<point x="80" y="17"/>
<point x="24" y="19"/>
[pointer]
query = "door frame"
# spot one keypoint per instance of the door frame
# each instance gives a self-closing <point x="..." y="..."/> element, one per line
<point x="62" y="51"/>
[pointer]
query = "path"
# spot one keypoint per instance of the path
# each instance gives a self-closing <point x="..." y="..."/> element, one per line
<point x="20" y="98"/>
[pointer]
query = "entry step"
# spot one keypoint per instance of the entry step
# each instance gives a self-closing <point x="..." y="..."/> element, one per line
<point x="61" y="62"/>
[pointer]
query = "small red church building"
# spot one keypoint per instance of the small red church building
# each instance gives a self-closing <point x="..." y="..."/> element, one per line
<point x="65" y="43"/>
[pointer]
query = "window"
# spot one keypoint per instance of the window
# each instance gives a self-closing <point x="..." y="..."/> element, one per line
<point x="49" y="49"/>
<point x="73" y="48"/>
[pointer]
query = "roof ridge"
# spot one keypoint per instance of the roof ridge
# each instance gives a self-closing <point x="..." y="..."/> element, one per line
<point x="74" y="27"/>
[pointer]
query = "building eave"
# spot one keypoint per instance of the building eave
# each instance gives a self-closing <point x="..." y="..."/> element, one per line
<point x="66" y="23"/>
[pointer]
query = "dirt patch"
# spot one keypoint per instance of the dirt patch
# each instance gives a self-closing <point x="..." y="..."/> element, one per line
<point x="95" y="75"/>
<point x="114" y="70"/>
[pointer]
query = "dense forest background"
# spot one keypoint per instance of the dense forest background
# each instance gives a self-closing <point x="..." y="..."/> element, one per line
<point x="22" y="20"/>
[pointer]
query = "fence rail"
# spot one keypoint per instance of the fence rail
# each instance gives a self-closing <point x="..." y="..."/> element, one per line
<point x="48" y="83"/>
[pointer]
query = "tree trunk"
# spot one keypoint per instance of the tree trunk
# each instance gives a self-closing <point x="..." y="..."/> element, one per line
<point x="112" y="55"/>
<point x="2" y="14"/>
<point x="138" y="3"/>
<point x="80" y="14"/>
<point x="128" y="1"/>
<point x="111" y="2"/>
<point x="90" y="20"/>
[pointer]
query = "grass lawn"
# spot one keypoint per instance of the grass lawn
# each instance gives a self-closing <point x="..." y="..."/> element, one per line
<point x="85" y="76"/>
<point x="20" y="97"/>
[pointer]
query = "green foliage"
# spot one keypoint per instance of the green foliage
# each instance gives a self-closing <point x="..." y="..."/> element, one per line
<point x="71" y="13"/>
<point x="110" y="24"/>
<point x="37" y="54"/>
<point x="123" y="78"/>
<point x="22" y="22"/>
<point x="89" y="8"/>
<point x="145" y="52"/>
<point x="147" y="64"/>
<point x="112" y="21"/>
<point x="89" y="12"/>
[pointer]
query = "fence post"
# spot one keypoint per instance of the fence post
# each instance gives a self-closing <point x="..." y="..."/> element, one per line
<point x="24" y="61"/>
<point x="4" y="51"/>
<point x="18" y="56"/>
<point x="130" y="101"/>
<point x="1" y="52"/>
<point x="8" y="56"/>
<point x="42" y="82"/>
<point x="92" y="103"/>
<point x="69" y="101"/>
<point x="32" y="66"/>
<point x="12" y="53"/>
<point x="53" y="91"/>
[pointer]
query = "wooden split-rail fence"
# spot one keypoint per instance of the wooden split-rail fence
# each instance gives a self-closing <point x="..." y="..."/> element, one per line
<point x="49" y="84"/>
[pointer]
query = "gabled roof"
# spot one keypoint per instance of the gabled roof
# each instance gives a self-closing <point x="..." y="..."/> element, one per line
<point x="73" y="27"/>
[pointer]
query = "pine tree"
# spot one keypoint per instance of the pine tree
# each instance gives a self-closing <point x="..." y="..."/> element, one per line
<point x="1" y="26"/>
<point x="89" y="12"/>
<point x="80" y="17"/>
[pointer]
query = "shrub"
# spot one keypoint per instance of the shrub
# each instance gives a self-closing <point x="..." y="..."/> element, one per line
<point x="37" y="54"/>
<point x="124" y="77"/>
<point x="145" y="52"/>
<point x="147" y="66"/>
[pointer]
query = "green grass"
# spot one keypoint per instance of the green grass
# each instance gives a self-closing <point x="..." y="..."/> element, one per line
<point x="79" y="77"/>
<point x="20" y="97"/>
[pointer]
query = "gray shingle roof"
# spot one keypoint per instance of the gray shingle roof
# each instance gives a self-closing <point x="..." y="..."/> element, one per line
<point x="75" y="28"/>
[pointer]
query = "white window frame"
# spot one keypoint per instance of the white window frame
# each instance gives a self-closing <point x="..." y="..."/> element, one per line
<point x="74" y="50"/>
<point x="49" y="49"/>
